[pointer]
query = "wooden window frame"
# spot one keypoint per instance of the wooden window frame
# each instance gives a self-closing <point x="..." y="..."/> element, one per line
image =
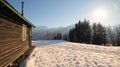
<point x="24" y="32"/>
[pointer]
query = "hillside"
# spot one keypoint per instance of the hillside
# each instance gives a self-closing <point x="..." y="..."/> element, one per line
<point x="40" y="32"/>
<point x="58" y="53"/>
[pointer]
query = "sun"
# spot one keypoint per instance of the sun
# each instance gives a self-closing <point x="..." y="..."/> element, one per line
<point x="100" y="13"/>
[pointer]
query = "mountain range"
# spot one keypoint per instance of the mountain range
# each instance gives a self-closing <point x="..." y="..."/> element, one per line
<point x="40" y="32"/>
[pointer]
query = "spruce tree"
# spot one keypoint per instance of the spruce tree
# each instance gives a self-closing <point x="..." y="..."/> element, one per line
<point x="99" y="34"/>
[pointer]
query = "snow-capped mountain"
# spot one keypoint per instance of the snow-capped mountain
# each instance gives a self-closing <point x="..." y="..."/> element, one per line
<point x="40" y="31"/>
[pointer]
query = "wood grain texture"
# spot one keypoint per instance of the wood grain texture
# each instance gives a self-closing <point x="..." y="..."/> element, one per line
<point x="11" y="44"/>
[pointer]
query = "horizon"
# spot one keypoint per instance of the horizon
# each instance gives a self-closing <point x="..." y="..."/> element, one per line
<point x="63" y="13"/>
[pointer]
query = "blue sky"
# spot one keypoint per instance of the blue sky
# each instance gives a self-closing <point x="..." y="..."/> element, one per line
<point x="56" y="13"/>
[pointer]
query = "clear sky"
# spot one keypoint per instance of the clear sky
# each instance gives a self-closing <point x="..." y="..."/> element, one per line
<point x="56" y="13"/>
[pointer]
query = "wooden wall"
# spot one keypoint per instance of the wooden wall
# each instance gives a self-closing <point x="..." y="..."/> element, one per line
<point x="11" y="44"/>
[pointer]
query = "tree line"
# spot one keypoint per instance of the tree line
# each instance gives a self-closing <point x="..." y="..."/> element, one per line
<point x="86" y="33"/>
<point x="95" y="33"/>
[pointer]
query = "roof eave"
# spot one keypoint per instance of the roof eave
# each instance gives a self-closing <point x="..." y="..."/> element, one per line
<point x="16" y="12"/>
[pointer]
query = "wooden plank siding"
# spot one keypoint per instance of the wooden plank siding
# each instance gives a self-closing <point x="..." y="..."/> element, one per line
<point x="11" y="44"/>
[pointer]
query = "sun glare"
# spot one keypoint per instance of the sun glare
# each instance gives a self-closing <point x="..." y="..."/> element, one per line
<point x="100" y="13"/>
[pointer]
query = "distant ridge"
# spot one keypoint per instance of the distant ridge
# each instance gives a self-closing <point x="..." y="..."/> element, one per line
<point x="40" y="32"/>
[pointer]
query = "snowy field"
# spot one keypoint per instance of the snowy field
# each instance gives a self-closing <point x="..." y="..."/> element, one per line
<point x="58" y="53"/>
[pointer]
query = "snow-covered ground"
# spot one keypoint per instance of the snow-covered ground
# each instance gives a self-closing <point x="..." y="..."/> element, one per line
<point x="58" y="53"/>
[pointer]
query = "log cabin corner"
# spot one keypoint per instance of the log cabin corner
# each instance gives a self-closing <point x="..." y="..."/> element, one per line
<point x="15" y="34"/>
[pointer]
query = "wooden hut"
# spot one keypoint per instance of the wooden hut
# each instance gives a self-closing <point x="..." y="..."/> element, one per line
<point x="15" y="34"/>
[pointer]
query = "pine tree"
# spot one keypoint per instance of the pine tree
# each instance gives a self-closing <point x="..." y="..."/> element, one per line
<point x="99" y="34"/>
<point x="118" y="35"/>
<point x="94" y="36"/>
<point x="57" y="36"/>
<point x="81" y="33"/>
<point x="71" y="35"/>
<point x="86" y="32"/>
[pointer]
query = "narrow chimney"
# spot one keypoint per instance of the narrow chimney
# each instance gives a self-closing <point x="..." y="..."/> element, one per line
<point x="22" y="9"/>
